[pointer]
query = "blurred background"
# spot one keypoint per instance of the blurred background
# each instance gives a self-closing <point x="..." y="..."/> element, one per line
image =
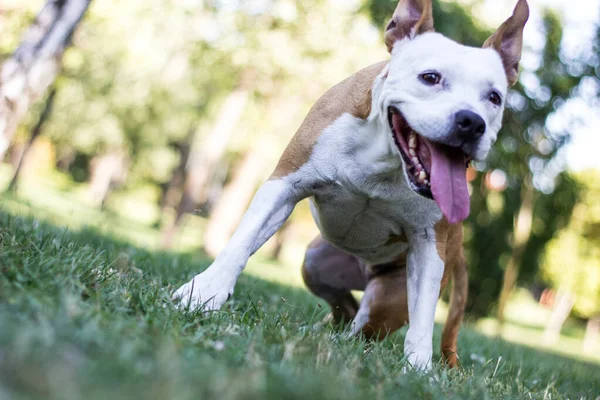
<point x="155" y="121"/>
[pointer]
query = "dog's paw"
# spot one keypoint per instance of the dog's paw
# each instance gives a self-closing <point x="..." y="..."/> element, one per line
<point x="207" y="291"/>
<point x="418" y="354"/>
<point x="420" y="360"/>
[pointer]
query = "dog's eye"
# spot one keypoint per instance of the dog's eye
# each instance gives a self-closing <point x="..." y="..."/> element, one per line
<point x="495" y="98"/>
<point x="430" y="78"/>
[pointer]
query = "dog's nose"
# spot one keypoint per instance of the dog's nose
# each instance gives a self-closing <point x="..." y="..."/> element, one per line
<point x="468" y="126"/>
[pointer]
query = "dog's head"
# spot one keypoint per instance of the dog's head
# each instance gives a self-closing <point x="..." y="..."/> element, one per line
<point x="444" y="101"/>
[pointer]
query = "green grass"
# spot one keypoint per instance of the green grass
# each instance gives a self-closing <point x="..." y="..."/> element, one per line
<point x="83" y="315"/>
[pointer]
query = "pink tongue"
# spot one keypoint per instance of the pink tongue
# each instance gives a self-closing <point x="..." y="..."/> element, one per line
<point x="449" y="182"/>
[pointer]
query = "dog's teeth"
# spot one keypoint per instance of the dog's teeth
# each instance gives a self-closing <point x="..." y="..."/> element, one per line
<point x="422" y="176"/>
<point x="412" y="152"/>
<point x="416" y="161"/>
<point x="427" y="182"/>
<point x="412" y="141"/>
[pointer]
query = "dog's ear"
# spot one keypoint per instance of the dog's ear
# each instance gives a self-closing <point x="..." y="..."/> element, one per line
<point x="508" y="41"/>
<point x="411" y="18"/>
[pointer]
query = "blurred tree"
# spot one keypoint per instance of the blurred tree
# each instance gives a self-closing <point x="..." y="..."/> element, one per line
<point x="37" y="130"/>
<point x="524" y="199"/>
<point x="592" y="335"/>
<point x="172" y="189"/>
<point x="138" y="95"/>
<point x="279" y="239"/>
<point x="283" y="65"/>
<point x="107" y="171"/>
<point x="204" y="158"/>
<point x="232" y="204"/>
<point x="572" y="259"/>
<point x="26" y="76"/>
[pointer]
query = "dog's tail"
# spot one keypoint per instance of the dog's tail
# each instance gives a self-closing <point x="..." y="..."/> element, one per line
<point x="458" y="296"/>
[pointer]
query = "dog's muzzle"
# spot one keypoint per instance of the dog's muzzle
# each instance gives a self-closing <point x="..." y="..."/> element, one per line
<point x="437" y="169"/>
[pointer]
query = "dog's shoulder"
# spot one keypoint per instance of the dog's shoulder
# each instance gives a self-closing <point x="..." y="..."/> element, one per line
<point x="352" y="96"/>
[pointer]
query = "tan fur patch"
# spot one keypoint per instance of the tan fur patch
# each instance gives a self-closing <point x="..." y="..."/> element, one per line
<point x="352" y="96"/>
<point x="388" y="304"/>
<point x="441" y="234"/>
<point x="393" y="239"/>
<point x="456" y="265"/>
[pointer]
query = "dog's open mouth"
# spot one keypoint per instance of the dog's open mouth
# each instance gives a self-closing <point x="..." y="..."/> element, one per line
<point x="435" y="171"/>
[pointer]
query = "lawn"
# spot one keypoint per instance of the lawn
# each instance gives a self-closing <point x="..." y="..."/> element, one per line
<point x="85" y="315"/>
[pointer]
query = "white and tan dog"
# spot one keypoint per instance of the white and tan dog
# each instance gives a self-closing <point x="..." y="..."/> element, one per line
<point x="382" y="157"/>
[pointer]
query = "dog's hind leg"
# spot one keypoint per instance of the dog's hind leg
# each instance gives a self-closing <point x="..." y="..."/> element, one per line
<point x="457" y="266"/>
<point x="331" y="274"/>
<point x="384" y="306"/>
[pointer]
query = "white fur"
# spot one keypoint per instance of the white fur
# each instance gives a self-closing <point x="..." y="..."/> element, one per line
<point x="468" y="76"/>
<point x="361" y="318"/>
<point x="363" y="196"/>
<point x="358" y="186"/>
<point x="271" y="206"/>
<point x="425" y="271"/>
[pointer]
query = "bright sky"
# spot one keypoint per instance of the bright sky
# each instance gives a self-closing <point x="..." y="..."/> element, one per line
<point x="579" y="17"/>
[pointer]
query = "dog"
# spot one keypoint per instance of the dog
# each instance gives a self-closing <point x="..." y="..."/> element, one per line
<point x="383" y="157"/>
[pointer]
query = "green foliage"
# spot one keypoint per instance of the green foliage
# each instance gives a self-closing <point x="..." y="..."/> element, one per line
<point x="137" y="92"/>
<point x="552" y="214"/>
<point x="85" y="315"/>
<point x="14" y="21"/>
<point x="526" y="152"/>
<point x="141" y="84"/>
<point x="572" y="259"/>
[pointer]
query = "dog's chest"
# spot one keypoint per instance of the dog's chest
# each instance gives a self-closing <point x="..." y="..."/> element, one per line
<point x="369" y="228"/>
<point x="363" y="203"/>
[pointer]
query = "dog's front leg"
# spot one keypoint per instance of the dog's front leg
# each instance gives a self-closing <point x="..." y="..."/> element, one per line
<point x="425" y="271"/>
<point x="271" y="206"/>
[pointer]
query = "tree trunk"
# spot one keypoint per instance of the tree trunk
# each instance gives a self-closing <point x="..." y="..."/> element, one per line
<point x="65" y="159"/>
<point x="592" y="334"/>
<point x="37" y="130"/>
<point x="27" y="75"/>
<point x="204" y="159"/>
<point x="232" y="204"/>
<point x="175" y="184"/>
<point x="107" y="171"/>
<point x="562" y="308"/>
<point x="279" y="239"/>
<point x="236" y="196"/>
<point x="521" y="234"/>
